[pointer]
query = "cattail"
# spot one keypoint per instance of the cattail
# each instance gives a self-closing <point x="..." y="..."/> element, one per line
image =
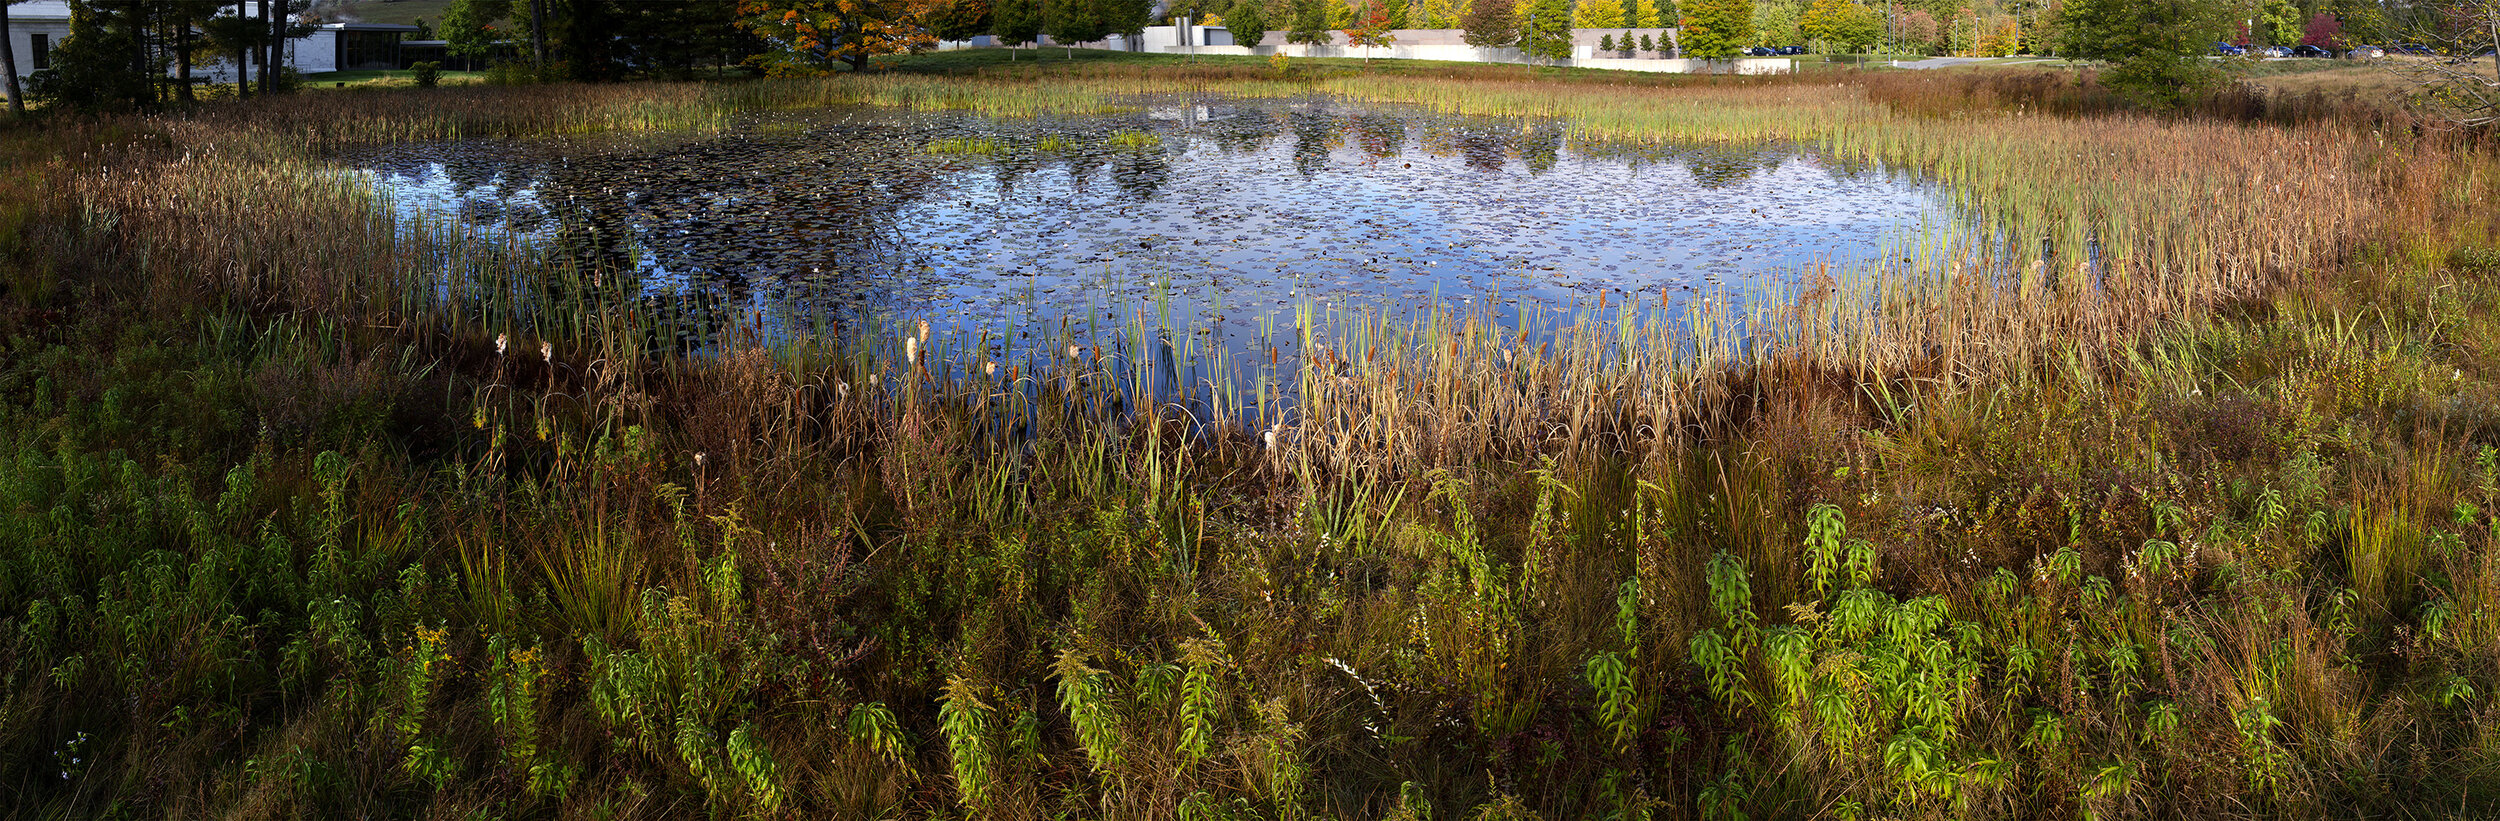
<point x="547" y="351"/>
<point x="1072" y="353"/>
<point x="698" y="459"/>
<point x="502" y="341"/>
<point x="924" y="330"/>
<point x="989" y="369"/>
<point x="911" y="349"/>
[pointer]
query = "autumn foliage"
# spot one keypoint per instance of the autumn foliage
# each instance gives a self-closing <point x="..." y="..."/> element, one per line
<point x="811" y="36"/>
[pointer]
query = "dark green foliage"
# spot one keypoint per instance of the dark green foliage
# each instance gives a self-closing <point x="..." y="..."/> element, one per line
<point x="1069" y="22"/>
<point x="1017" y="22"/>
<point x="2156" y="46"/>
<point x="427" y="73"/>
<point x="1248" y="22"/>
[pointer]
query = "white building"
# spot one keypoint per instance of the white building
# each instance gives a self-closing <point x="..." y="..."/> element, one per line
<point x="37" y="27"/>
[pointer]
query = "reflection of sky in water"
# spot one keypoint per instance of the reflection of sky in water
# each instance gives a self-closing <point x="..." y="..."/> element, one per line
<point x="1242" y="213"/>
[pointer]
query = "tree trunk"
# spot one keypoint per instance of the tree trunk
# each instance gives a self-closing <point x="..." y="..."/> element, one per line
<point x="538" y="38"/>
<point x="182" y="57"/>
<point x="8" y="64"/>
<point x="268" y="66"/>
<point x="277" y="46"/>
<point x="242" y="53"/>
<point x="138" y="23"/>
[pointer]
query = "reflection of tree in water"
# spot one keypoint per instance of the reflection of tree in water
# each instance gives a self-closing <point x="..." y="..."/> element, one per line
<point x="1247" y="131"/>
<point x="1381" y="136"/>
<point x="1484" y="149"/>
<point x="1314" y="135"/>
<point x="729" y="213"/>
<point x="1720" y="166"/>
<point x="1541" y="146"/>
<point x="1141" y="172"/>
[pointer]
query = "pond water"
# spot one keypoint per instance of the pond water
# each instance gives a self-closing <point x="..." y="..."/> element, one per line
<point x="1216" y="218"/>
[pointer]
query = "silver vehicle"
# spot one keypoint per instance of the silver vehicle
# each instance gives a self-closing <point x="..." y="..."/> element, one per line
<point x="2365" y="53"/>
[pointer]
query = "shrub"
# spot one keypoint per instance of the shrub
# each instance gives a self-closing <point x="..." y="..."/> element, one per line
<point x="427" y="72"/>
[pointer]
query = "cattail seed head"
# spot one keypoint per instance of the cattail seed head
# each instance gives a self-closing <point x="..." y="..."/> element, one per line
<point x="911" y="349"/>
<point x="502" y="341"/>
<point x="547" y="351"/>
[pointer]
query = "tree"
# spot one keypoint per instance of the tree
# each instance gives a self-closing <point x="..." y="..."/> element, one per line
<point x="1593" y="14"/>
<point x="961" y="20"/>
<point x="1310" y="23"/>
<point x="1843" y="23"/>
<point x="1715" y="29"/>
<point x="1606" y="43"/>
<point x="1775" y="21"/>
<point x="2323" y="31"/>
<point x="1919" y="31"/>
<point x="1547" y="31"/>
<point x="2278" y="22"/>
<point x="1248" y="22"/>
<point x="1127" y="18"/>
<point x="468" y="28"/>
<point x="811" y="36"/>
<point x="1371" y="32"/>
<point x="1069" y="22"/>
<point x="8" y="64"/>
<point x="1490" y="24"/>
<point x="1636" y="14"/>
<point x="2456" y="90"/>
<point x="2156" y="45"/>
<point x="1016" y="22"/>
<point x="1647" y="44"/>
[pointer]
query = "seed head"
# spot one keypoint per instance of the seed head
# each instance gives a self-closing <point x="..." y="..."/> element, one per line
<point x="502" y="341"/>
<point x="547" y="351"/>
<point x="911" y="350"/>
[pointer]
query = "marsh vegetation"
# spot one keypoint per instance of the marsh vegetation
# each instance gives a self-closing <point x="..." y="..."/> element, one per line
<point x="310" y="511"/>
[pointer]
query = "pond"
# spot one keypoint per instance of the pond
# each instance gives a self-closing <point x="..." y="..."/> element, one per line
<point x="1215" y="220"/>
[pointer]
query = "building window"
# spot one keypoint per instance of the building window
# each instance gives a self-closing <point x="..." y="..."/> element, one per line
<point x="40" y="47"/>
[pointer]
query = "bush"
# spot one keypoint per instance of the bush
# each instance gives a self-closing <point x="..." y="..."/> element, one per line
<point x="427" y="72"/>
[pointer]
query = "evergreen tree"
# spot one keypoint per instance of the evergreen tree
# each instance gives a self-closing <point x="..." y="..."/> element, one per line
<point x="1635" y="16"/>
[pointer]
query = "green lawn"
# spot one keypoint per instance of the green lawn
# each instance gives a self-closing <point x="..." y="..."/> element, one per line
<point x="386" y="79"/>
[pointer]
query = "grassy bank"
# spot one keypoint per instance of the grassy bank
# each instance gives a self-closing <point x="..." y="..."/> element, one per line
<point x="2203" y="527"/>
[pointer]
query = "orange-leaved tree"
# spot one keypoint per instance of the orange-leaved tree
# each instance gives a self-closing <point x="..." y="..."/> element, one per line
<point x="810" y="36"/>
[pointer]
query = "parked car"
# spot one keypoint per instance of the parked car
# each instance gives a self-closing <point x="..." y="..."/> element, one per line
<point x="2415" y="49"/>
<point x="2365" y="53"/>
<point x="2310" y="51"/>
<point x="2275" y="51"/>
<point x="1760" y="51"/>
<point x="2228" y="50"/>
<point x="1791" y="50"/>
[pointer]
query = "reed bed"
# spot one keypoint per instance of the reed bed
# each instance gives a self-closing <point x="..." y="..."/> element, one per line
<point x="2166" y="489"/>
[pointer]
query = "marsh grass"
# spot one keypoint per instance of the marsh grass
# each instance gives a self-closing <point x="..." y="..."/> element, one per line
<point x="2152" y="495"/>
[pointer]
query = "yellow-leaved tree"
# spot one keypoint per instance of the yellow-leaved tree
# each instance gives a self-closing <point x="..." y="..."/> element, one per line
<point x="812" y="36"/>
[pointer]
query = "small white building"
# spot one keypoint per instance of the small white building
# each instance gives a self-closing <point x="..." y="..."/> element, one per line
<point x="35" y="29"/>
